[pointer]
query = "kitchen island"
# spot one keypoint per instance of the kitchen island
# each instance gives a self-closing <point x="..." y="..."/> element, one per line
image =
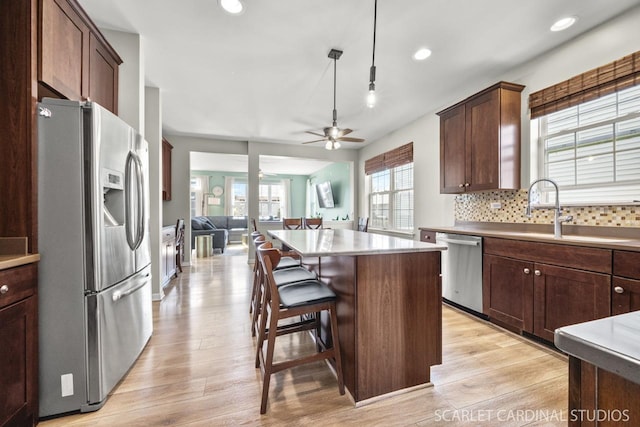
<point x="389" y="305"/>
<point x="604" y="370"/>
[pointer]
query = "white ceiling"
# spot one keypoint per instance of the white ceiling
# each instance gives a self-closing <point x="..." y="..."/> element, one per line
<point x="265" y="75"/>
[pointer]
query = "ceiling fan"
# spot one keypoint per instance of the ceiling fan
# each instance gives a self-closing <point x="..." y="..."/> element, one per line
<point x="263" y="174"/>
<point x="333" y="134"/>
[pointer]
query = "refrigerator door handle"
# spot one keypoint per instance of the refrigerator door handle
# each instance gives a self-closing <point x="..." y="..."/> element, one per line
<point x="141" y="204"/>
<point x="119" y="295"/>
<point x="131" y="240"/>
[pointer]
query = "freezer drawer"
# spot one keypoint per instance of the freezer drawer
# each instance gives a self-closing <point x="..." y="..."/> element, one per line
<point x="114" y="343"/>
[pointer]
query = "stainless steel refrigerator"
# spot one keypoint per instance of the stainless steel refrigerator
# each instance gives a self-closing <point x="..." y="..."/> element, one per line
<point x="94" y="275"/>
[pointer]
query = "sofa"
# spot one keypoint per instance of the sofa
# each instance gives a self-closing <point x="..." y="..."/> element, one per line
<point x="224" y="228"/>
<point x="235" y="225"/>
<point x="201" y="226"/>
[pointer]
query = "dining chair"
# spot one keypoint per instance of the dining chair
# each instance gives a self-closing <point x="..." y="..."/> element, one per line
<point x="179" y="244"/>
<point x="303" y="300"/>
<point x="312" y="223"/>
<point x="363" y="224"/>
<point x="291" y="223"/>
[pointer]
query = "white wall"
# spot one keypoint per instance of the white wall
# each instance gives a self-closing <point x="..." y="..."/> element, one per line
<point x="130" y="77"/>
<point x="153" y="126"/>
<point x="606" y="43"/>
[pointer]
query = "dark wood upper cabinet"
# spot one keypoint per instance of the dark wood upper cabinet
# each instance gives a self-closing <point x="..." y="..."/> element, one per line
<point x="166" y="169"/>
<point x="74" y="59"/>
<point x="103" y="74"/>
<point x="63" y="49"/>
<point x="480" y="141"/>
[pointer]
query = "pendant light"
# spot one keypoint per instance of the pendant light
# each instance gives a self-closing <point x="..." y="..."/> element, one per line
<point x="371" y="96"/>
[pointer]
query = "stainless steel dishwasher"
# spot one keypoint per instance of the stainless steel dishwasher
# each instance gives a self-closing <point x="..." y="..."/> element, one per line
<point x="462" y="271"/>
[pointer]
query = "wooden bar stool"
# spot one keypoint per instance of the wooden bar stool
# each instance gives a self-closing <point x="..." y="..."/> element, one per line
<point x="291" y="223"/>
<point x="363" y="224"/>
<point x="301" y="299"/>
<point x="284" y="273"/>
<point x="312" y="223"/>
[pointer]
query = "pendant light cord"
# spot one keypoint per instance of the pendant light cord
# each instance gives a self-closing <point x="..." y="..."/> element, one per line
<point x="335" y="113"/>
<point x="372" y="70"/>
<point x="375" y="15"/>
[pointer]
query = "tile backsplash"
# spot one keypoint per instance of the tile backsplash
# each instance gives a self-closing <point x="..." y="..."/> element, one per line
<point x="477" y="207"/>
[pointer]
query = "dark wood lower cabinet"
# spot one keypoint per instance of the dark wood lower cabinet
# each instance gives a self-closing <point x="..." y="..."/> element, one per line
<point x="508" y="292"/>
<point x="566" y="296"/>
<point x="524" y="291"/>
<point x="18" y="347"/>
<point x="625" y="295"/>
<point x="601" y="398"/>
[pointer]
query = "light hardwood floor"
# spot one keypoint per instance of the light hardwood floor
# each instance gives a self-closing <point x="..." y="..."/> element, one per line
<point x="198" y="370"/>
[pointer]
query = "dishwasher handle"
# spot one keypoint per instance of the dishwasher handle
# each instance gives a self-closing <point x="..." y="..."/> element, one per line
<point x="459" y="242"/>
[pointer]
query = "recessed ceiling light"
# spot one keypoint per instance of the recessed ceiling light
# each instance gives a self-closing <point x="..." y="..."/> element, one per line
<point x="233" y="7"/>
<point x="422" y="54"/>
<point x="564" y="23"/>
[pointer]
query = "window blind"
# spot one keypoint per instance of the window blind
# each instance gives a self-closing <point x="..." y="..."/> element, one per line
<point x="391" y="159"/>
<point x="593" y="84"/>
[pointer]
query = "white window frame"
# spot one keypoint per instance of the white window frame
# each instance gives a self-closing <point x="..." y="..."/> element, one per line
<point x="581" y="194"/>
<point x="277" y="205"/>
<point x="234" y="198"/>
<point x="390" y="224"/>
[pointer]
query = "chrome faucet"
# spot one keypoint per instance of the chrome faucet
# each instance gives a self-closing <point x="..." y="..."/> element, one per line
<point x="557" y="219"/>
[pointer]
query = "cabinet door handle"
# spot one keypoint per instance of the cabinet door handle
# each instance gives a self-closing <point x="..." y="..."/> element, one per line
<point x="537" y="273"/>
<point x="527" y="271"/>
<point x="460" y="185"/>
<point x="466" y="184"/>
<point x="619" y="289"/>
<point x="4" y="289"/>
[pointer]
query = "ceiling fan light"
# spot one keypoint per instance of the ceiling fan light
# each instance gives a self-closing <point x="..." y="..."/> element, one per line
<point x="334" y="131"/>
<point x="234" y="7"/>
<point x="336" y="145"/>
<point x="328" y="145"/>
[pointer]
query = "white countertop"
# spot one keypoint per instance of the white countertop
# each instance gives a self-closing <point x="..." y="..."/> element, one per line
<point x="331" y="242"/>
<point x="612" y="343"/>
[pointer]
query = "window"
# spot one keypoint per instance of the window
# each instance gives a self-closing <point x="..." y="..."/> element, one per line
<point x="198" y="189"/>
<point x="239" y="198"/>
<point x="270" y="199"/>
<point x="391" y="198"/>
<point x="592" y="150"/>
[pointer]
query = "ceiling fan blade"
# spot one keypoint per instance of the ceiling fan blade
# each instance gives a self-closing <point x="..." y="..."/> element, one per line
<point x="344" y="132"/>
<point x="317" y="140"/>
<point x="315" y="133"/>
<point x="350" y="139"/>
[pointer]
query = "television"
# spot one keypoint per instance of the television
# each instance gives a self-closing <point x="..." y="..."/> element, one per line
<point x="325" y="195"/>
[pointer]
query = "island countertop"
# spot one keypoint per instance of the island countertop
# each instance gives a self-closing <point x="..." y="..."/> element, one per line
<point x="332" y="242"/>
<point x="612" y="343"/>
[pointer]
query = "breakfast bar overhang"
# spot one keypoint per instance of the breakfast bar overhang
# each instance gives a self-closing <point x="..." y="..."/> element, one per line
<point x="389" y="305"/>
